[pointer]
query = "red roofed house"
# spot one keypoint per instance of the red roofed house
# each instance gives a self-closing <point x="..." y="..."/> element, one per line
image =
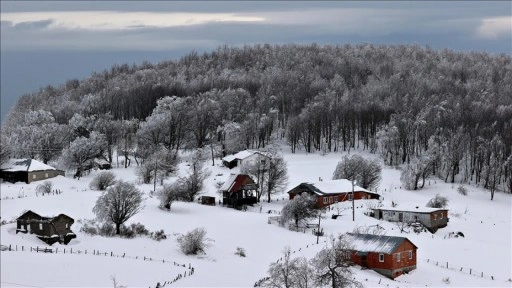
<point x="27" y="170"/>
<point x="48" y="229"/>
<point x="388" y="255"/>
<point x="332" y="191"/>
<point x="238" y="190"/>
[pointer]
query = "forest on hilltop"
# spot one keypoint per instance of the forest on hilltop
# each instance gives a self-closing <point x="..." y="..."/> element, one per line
<point x="435" y="112"/>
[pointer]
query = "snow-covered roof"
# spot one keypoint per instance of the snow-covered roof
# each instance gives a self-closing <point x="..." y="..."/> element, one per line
<point x="333" y="186"/>
<point x="374" y="243"/>
<point x="417" y="209"/>
<point x="29" y="165"/>
<point x="229" y="182"/>
<point x="242" y="155"/>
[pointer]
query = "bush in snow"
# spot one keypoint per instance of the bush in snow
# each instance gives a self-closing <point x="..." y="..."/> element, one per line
<point x="299" y="210"/>
<point x="462" y="190"/>
<point x="45" y="187"/>
<point x="194" y="242"/>
<point x="159" y="235"/>
<point x="102" y="181"/>
<point x="438" y="202"/>
<point x="240" y="251"/>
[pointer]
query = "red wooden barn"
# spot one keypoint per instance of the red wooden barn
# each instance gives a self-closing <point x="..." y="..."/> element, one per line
<point x="239" y="190"/>
<point x="332" y="191"/>
<point x="390" y="256"/>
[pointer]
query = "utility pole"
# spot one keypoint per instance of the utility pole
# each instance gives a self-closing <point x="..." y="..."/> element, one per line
<point x="154" y="184"/>
<point x="353" y="205"/>
<point x="318" y="232"/>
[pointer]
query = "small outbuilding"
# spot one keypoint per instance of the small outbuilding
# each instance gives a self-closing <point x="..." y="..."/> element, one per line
<point x="239" y="190"/>
<point x="244" y="157"/>
<point x="48" y="229"/>
<point x="207" y="200"/>
<point x="332" y="191"/>
<point x="431" y="218"/>
<point x="27" y="170"/>
<point x="390" y="256"/>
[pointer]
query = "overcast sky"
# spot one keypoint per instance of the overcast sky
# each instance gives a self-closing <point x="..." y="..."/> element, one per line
<point x="45" y="42"/>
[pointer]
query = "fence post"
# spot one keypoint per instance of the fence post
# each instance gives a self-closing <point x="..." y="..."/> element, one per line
<point x="30" y="248"/>
<point x="64" y="250"/>
<point x="37" y="249"/>
<point x="446" y="264"/>
<point x="21" y="248"/>
<point x="85" y="252"/>
<point x="469" y="271"/>
<point x="71" y="251"/>
<point x="482" y="274"/>
<point x="57" y="250"/>
<point x="16" y="247"/>
<point x="461" y="269"/>
<point x="111" y="254"/>
<point x="9" y="247"/>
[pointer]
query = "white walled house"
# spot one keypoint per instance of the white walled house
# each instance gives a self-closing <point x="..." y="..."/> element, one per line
<point x="432" y="218"/>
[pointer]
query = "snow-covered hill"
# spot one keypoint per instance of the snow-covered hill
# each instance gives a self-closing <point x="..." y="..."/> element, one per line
<point x="485" y="248"/>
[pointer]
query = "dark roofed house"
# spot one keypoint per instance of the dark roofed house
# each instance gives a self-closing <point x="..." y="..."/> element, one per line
<point x="390" y="256"/>
<point x="332" y="191"/>
<point x="239" y="190"/>
<point x="48" y="229"/>
<point x="27" y="170"/>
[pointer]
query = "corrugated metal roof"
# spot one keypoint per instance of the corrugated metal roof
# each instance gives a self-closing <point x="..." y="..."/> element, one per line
<point x="375" y="243"/>
<point x="333" y="187"/>
<point x="416" y="209"/>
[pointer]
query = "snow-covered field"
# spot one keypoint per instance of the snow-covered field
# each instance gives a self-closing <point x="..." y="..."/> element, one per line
<point x="485" y="248"/>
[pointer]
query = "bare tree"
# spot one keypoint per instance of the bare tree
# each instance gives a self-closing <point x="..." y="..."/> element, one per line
<point x="289" y="272"/>
<point x="366" y="172"/>
<point x="45" y="187"/>
<point x="192" y="184"/>
<point x="258" y="170"/>
<point x="194" y="242"/>
<point x="300" y="209"/>
<point x="438" y="202"/>
<point x="103" y="180"/>
<point x="332" y="264"/>
<point x="277" y="176"/>
<point x="118" y="204"/>
<point x="83" y="150"/>
<point x="171" y="193"/>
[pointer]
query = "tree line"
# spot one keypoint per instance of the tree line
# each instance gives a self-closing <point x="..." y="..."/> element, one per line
<point x="438" y="112"/>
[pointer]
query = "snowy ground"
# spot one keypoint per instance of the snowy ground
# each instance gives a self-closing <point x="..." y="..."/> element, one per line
<point x="485" y="248"/>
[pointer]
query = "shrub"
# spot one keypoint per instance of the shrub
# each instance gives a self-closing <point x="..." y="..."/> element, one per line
<point x="462" y="190"/>
<point x="106" y="229"/>
<point x="158" y="235"/>
<point x="194" y="242"/>
<point x="139" y="229"/>
<point x="438" y="202"/>
<point x="102" y="181"/>
<point x="240" y="251"/>
<point x="45" y="187"/>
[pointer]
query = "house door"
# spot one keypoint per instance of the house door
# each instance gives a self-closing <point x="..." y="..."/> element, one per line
<point x="380" y="214"/>
<point x="364" y="261"/>
<point x="27" y="227"/>
<point x="400" y="217"/>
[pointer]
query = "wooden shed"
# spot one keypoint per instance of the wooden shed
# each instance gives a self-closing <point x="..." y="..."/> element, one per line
<point x="431" y="218"/>
<point x="48" y="229"/>
<point x="207" y="200"/>
<point x="390" y="256"/>
<point x="27" y="170"/>
<point x="238" y="190"/>
<point x="332" y="191"/>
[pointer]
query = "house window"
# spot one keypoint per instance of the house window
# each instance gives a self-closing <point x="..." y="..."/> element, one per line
<point x="416" y="217"/>
<point x="40" y="226"/>
<point x="435" y="216"/>
<point x="398" y="257"/>
<point x="331" y="200"/>
<point x="66" y="225"/>
<point x="441" y="215"/>
<point x="33" y="176"/>
<point x="381" y="257"/>
<point x="350" y="197"/>
<point x="410" y="254"/>
<point x="325" y="200"/>
<point x="45" y="175"/>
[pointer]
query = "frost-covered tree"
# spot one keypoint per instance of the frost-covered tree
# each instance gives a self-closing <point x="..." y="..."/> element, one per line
<point x="289" y="272"/>
<point x="171" y="193"/>
<point x="118" y="204"/>
<point x="438" y="202"/>
<point x="5" y="150"/>
<point x="299" y="210"/>
<point x="366" y="172"/>
<point x="194" y="242"/>
<point x="82" y="150"/>
<point x="192" y="183"/>
<point x="103" y="180"/>
<point x="331" y="266"/>
<point x="45" y="187"/>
